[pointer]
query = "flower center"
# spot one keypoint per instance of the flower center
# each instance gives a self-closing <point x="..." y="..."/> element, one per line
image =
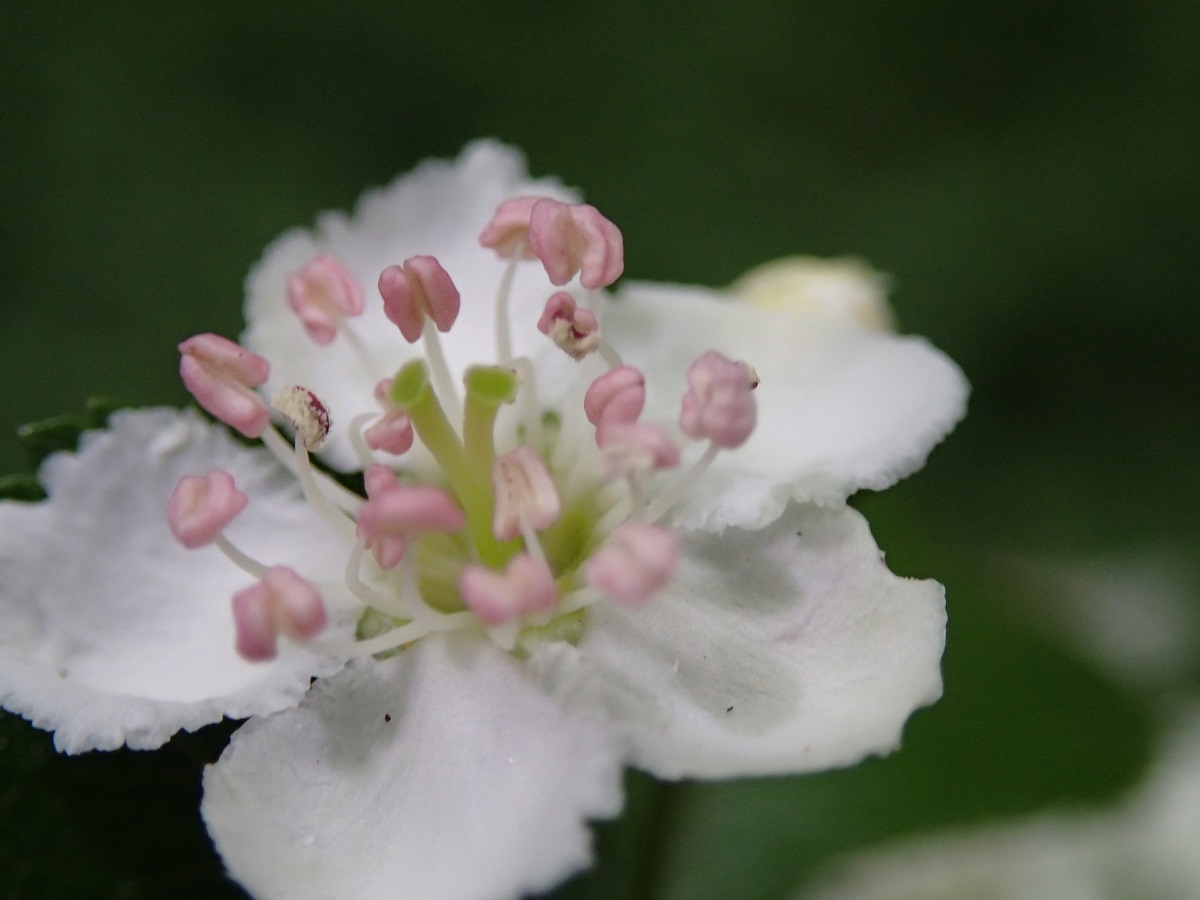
<point x="525" y="520"/>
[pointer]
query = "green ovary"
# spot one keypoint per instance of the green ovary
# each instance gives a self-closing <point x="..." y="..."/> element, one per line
<point x="439" y="559"/>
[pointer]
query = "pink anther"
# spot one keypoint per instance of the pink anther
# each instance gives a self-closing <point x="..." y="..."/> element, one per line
<point x="635" y="564"/>
<point x="617" y="396"/>
<point x="418" y="289"/>
<point x="508" y="231"/>
<point x="573" y="328"/>
<point x="201" y="506"/>
<point x="719" y="404"/>
<point x="393" y="432"/>
<point x="282" y="603"/>
<point x="525" y="494"/>
<point x="379" y="478"/>
<point x="570" y="238"/>
<point x="524" y="588"/>
<point x="632" y="448"/>
<point x="322" y="293"/>
<point x="220" y="375"/>
<point x="395" y="513"/>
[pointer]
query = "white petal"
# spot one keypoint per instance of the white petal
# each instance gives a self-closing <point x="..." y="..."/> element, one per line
<point x="788" y="650"/>
<point x="840" y="408"/>
<point x="1144" y="848"/>
<point x="438" y="209"/>
<point x="439" y="773"/>
<point x="1050" y="857"/>
<point x="112" y="633"/>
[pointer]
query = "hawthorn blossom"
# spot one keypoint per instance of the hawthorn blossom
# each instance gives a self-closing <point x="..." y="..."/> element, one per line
<point x="619" y="539"/>
<point x="1145" y="847"/>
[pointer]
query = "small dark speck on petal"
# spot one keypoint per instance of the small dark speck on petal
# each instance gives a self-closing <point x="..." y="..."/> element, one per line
<point x="387" y="717"/>
<point x="799" y="534"/>
<point x="729" y="709"/>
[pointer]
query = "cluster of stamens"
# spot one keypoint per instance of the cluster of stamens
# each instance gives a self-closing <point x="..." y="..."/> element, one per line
<point x="516" y="540"/>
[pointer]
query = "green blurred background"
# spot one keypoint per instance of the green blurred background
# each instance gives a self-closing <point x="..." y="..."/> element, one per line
<point x="1027" y="173"/>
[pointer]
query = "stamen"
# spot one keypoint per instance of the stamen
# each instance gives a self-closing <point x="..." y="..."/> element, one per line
<point x="636" y="448"/>
<point x="390" y="640"/>
<point x="525" y="587"/>
<point x="439" y="369"/>
<point x="419" y="289"/>
<point x="310" y="419"/>
<point x="616" y="397"/>
<point x="281" y="603"/>
<point x="220" y="375"/>
<point x="394" y="514"/>
<point x="199" y="510"/>
<point x="357" y="441"/>
<point x="393" y="433"/>
<point x="306" y="413"/>
<point x="662" y="504"/>
<point x="363" y="592"/>
<point x="356" y="345"/>
<point x="573" y="329"/>
<point x="531" y="411"/>
<point x="322" y="293"/>
<point x="526" y="497"/>
<point x="719" y="404"/>
<point x="635" y="564"/>
<point x="201" y="507"/>
<point x="421" y="299"/>
<point x="507" y="232"/>
<point x="503" y="323"/>
<point x="608" y="354"/>
<point x="571" y="238"/>
<point x="246" y="563"/>
<point x="342" y="498"/>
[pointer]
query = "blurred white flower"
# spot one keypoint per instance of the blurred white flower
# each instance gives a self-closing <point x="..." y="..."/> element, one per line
<point x="1146" y="848"/>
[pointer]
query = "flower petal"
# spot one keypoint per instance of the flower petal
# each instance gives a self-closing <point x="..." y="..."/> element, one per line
<point x="840" y="407"/>
<point x="438" y="209"/>
<point x="1146" y="847"/>
<point x="110" y="632"/>
<point x="789" y="650"/>
<point x="441" y="772"/>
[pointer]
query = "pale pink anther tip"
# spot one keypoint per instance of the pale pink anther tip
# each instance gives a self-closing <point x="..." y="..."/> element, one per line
<point x="507" y="232"/>
<point x="418" y="289"/>
<point x="281" y="603"/>
<point x="525" y="587"/>
<point x="576" y="238"/>
<point x="617" y="396"/>
<point x="635" y="564"/>
<point x="221" y="376"/>
<point x="395" y="514"/>
<point x="524" y="493"/>
<point x="321" y="293"/>
<point x="201" y="506"/>
<point x="719" y="404"/>
<point x="632" y="447"/>
<point x="393" y="431"/>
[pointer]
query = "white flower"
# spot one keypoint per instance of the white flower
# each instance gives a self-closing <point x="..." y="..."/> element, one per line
<point x="1144" y="848"/>
<point x="735" y="619"/>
